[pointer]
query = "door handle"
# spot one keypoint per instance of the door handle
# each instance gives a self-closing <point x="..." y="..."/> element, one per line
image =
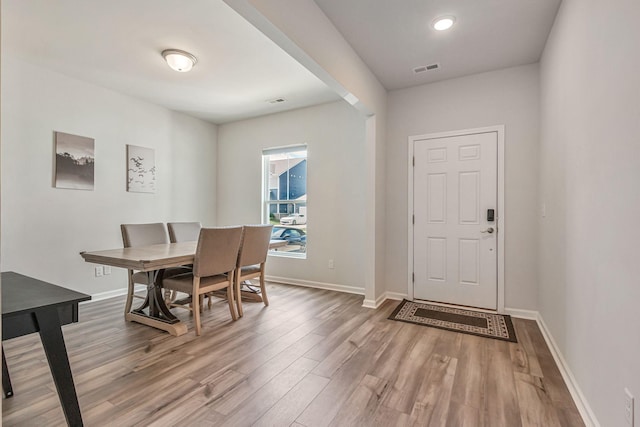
<point x="489" y="230"/>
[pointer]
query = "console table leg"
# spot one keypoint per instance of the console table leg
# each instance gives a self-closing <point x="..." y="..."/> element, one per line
<point x="54" y="348"/>
<point x="6" y="380"/>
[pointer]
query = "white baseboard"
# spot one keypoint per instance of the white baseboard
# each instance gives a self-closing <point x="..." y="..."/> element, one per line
<point x="306" y="283"/>
<point x="369" y="303"/>
<point x="585" y="410"/>
<point x="319" y="285"/>
<point x="111" y="294"/>
<point x="396" y="296"/>
<point x="522" y="314"/>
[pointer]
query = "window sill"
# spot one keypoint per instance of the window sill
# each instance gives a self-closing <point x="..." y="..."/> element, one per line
<point x="285" y="254"/>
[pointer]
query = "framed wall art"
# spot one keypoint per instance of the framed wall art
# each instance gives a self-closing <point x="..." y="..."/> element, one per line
<point x="141" y="169"/>
<point x="75" y="159"/>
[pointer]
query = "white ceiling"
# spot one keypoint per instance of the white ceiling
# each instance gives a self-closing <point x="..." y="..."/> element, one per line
<point x="395" y="36"/>
<point x="117" y="44"/>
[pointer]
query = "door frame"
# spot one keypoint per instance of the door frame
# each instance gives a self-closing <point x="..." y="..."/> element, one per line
<point x="500" y="214"/>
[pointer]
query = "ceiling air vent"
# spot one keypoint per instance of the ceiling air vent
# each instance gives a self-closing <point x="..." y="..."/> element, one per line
<point x="425" y="68"/>
<point x="276" y="101"/>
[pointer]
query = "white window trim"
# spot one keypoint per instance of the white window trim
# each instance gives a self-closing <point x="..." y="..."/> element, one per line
<point x="265" y="194"/>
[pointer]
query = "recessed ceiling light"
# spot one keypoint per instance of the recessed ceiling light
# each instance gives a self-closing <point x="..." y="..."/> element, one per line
<point x="443" y="23"/>
<point x="179" y="60"/>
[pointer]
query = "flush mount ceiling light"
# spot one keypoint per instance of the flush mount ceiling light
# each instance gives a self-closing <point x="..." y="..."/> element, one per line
<point x="443" y="23"/>
<point x="179" y="60"/>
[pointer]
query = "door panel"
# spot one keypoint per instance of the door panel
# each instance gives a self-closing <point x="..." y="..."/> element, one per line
<point x="437" y="257"/>
<point x="437" y="193"/>
<point x="468" y="203"/>
<point x="469" y="261"/>
<point x="455" y="182"/>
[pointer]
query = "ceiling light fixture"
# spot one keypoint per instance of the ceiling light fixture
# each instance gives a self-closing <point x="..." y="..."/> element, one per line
<point x="179" y="60"/>
<point x="443" y="23"/>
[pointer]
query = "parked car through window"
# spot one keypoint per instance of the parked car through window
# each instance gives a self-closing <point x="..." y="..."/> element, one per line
<point x="294" y="219"/>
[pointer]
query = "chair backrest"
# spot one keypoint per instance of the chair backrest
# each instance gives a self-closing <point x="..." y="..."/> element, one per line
<point x="217" y="251"/>
<point x="143" y="234"/>
<point x="184" y="231"/>
<point x="255" y="244"/>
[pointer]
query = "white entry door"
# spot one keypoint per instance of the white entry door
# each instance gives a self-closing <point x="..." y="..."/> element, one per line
<point x="454" y="236"/>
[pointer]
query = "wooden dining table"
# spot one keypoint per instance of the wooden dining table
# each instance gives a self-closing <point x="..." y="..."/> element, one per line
<point x="153" y="260"/>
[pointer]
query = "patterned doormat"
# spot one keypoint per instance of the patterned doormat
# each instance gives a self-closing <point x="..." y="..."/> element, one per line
<point x="472" y="322"/>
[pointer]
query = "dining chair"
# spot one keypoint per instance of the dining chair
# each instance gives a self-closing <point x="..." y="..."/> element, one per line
<point x="252" y="259"/>
<point x="213" y="269"/>
<point x="134" y="235"/>
<point x="184" y="231"/>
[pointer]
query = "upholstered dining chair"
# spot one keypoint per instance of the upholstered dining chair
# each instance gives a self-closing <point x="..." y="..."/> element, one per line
<point x="251" y="260"/>
<point x="142" y="235"/>
<point x="184" y="231"/>
<point x="213" y="268"/>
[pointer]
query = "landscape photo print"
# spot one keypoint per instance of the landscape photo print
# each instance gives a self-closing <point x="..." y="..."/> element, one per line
<point x="75" y="158"/>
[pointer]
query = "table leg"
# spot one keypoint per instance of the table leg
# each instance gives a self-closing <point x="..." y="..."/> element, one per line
<point x="154" y="300"/>
<point x="159" y="300"/>
<point x="147" y="301"/>
<point x="6" y="380"/>
<point x="56" y="352"/>
<point x="159" y="316"/>
<point x="152" y="276"/>
<point x="157" y="305"/>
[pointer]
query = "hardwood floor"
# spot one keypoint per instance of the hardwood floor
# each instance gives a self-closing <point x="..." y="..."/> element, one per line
<point x="312" y="358"/>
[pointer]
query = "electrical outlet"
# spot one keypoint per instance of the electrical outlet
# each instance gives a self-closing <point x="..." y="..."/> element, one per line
<point x="628" y="407"/>
<point x="106" y="269"/>
<point x="99" y="271"/>
<point x="331" y="264"/>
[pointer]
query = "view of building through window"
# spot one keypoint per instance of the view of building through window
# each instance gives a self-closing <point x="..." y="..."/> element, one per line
<point x="285" y="198"/>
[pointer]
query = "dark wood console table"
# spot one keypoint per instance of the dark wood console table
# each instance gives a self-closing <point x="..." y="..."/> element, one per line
<point x="30" y="305"/>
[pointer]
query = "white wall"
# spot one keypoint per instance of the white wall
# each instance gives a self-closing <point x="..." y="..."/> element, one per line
<point x="44" y="228"/>
<point x="304" y="31"/>
<point x="506" y="97"/>
<point x="589" y="179"/>
<point x="336" y="183"/>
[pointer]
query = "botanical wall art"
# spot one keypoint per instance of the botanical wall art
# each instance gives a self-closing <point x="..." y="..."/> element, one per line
<point x="75" y="157"/>
<point x="141" y="169"/>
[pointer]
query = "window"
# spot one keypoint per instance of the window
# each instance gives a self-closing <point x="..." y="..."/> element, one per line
<point x="285" y="198"/>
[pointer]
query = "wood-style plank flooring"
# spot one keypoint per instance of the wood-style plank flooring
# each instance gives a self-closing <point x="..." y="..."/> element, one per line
<point x="312" y="358"/>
